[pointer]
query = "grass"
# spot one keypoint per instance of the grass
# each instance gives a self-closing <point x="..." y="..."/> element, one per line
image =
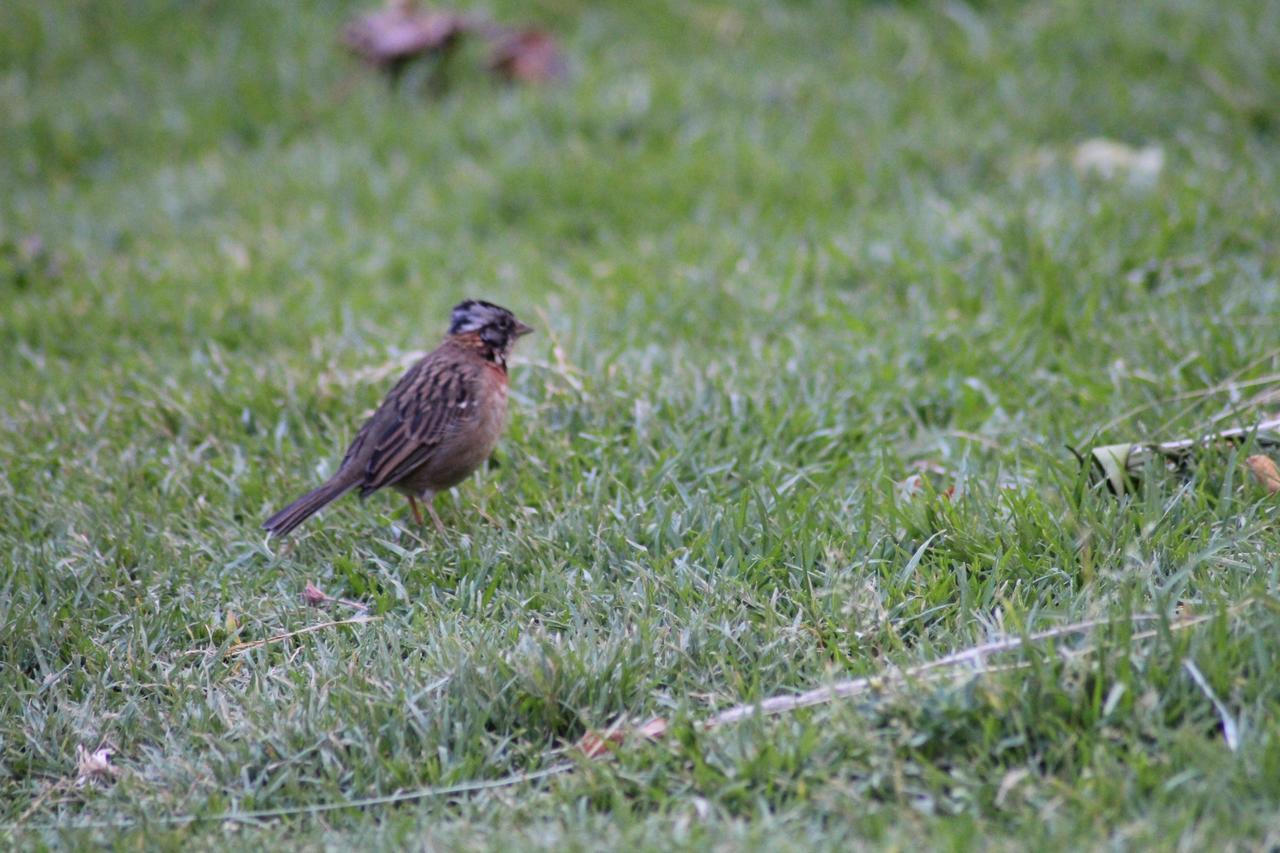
<point x="777" y="254"/>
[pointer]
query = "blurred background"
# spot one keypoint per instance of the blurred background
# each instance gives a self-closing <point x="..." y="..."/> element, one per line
<point x="209" y="168"/>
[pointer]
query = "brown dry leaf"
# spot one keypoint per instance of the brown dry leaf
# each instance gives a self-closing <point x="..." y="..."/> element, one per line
<point x="654" y="729"/>
<point x="527" y="56"/>
<point x="1264" y="470"/>
<point x="1119" y="465"/>
<point x="399" y="32"/>
<point x="910" y="487"/>
<point x="313" y="596"/>
<point x="94" y="766"/>
<point x="596" y="744"/>
<point x="928" y="472"/>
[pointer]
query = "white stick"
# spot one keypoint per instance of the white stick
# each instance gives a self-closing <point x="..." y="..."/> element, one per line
<point x="976" y="656"/>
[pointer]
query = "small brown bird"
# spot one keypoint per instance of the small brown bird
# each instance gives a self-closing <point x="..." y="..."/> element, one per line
<point x="439" y="423"/>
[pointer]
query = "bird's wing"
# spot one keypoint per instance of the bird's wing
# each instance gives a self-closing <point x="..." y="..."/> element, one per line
<point x="431" y="402"/>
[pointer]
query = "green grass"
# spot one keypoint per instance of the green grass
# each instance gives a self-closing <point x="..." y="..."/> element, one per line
<point x="777" y="253"/>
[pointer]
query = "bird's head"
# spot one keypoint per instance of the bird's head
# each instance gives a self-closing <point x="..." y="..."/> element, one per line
<point x="495" y="326"/>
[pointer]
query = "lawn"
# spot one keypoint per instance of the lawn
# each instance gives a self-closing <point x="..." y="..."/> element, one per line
<point x="782" y="257"/>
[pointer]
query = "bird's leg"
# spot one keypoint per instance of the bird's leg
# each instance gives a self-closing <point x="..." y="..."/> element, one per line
<point x="417" y="514"/>
<point x="431" y="508"/>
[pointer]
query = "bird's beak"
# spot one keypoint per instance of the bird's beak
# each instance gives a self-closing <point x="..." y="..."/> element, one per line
<point x="522" y="329"/>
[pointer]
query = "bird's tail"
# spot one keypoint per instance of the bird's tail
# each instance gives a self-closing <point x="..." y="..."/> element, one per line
<point x="306" y="506"/>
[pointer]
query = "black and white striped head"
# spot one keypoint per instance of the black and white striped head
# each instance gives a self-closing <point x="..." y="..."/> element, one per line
<point x="497" y="327"/>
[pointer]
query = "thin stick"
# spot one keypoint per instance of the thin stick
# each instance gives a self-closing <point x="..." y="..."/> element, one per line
<point x="975" y="655"/>
<point x="1223" y="435"/>
<point x="253" y="644"/>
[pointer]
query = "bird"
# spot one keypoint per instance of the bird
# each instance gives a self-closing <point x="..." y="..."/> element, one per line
<point x="438" y="424"/>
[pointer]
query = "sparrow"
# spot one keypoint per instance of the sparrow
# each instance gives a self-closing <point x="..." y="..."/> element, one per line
<point x="437" y="425"/>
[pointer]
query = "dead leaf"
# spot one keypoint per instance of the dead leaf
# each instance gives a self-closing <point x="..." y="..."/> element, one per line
<point x="392" y="36"/>
<point x="527" y="56"/>
<point x="1264" y="470"/>
<point x="930" y="472"/>
<point x="1119" y="465"/>
<point x="94" y="766"/>
<point x="654" y="729"/>
<point x="910" y="487"/>
<point x="313" y="596"/>
<point x="595" y="744"/>
<point x="1109" y="159"/>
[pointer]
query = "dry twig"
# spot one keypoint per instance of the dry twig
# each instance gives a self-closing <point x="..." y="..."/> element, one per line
<point x="975" y="658"/>
<point x="240" y="648"/>
<point x="1120" y="464"/>
<point x="971" y="660"/>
